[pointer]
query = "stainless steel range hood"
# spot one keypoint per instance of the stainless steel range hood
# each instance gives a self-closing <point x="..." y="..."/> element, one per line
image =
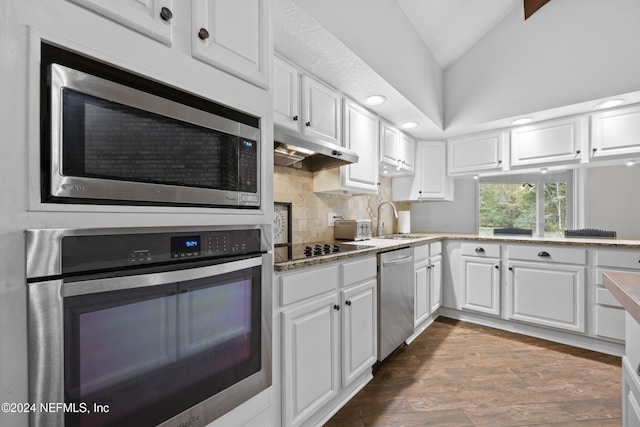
<point x="315" y="155"/>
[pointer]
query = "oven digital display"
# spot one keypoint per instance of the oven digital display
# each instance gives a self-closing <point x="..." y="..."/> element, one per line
<point x="185" y="246"/>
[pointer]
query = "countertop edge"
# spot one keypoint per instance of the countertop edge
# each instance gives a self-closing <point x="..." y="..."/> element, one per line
<point x="625" y="287"/>
<point x="422" y="238"/>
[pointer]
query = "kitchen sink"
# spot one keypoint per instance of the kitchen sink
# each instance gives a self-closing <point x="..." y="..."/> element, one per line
<point x="399" y="237"/>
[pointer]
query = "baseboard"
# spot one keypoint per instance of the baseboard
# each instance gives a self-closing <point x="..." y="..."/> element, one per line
<point x="588" y="343"/>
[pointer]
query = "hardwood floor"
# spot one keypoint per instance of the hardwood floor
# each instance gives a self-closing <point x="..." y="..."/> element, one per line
<point x="461" y="374"/>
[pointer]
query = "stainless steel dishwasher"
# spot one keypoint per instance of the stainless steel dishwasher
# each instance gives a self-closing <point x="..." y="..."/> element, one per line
<point x="395" y="299"/>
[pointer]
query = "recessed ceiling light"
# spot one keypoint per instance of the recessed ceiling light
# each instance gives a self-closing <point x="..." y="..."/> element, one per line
<point x="544" y="170"/>
<point x="630" y="162"/>
<point x="375" y="99"/>
<point x="610" y="103"/>
<point x="522" y="121"/>
<point x="409" y="125"/>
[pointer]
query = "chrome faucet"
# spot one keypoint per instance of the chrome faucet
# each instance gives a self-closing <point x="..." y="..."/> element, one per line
<point x="395" y="213"/>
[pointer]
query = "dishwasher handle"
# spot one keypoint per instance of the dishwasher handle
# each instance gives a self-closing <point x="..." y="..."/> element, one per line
<point x="398" y="261"/>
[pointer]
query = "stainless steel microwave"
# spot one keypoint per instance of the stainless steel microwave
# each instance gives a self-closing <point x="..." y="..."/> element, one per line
<point x="110" y="143"/>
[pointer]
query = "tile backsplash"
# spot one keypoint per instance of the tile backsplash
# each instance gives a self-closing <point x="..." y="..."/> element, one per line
<point x="310" y="210"/>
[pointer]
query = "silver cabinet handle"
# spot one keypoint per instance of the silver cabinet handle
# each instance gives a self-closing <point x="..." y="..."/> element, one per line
<point x="398" y="261"/>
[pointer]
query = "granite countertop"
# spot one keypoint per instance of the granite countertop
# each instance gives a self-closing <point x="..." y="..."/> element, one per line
<point x="626" y="288"/>
<point x="415" y="239"/>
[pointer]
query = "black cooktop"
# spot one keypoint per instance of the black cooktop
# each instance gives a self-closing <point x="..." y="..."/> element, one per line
<point x="314" y="249"/>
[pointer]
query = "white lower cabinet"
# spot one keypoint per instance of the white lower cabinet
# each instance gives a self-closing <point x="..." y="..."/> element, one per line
<point x="359" y="330"/>
<point x="545" y="289"/>
<point x="631" y="374"/>
<point x="481" y="277"/>
<point x="608" y="314"/>
<point x="329" y="336"/>
<point x="630" y="395"/>
<point x="428" y="281"/>
<point x="310" y="346"/>
<point x="435" y="279"/>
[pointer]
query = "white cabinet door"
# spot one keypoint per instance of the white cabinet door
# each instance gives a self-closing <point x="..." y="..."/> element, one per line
<point x="481" y="278"/>
<point x="397" y="151"/>
<point x="433" y="183"/>
<point x="407" y="154"/>
<point x="234" y="35"/>
<point x="549" y="142"/>
<point x="475" y="153"/>
<point x="311" y="354"/>
<point x="321" y="111"/>
<point x="630" y="394"/>
<point x="430" y="181"/>
<point x="361" y="135"/>
<point x="286" y="95"/>
<point x="389" y="147"/>
<point x="435" y="282"/>
<point x="151" y="17"/>
<point x="422" y="302"/>
<point x="548" y="294"/>
<point x="359" y="330"/>
<point x="615" y="132"/>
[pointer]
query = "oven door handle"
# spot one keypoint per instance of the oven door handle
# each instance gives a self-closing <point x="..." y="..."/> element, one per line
<point x="91" y="286"/>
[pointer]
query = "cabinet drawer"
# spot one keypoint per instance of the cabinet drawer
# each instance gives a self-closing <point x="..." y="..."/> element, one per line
<point x="435" y="248"/>
<point x="610" y="322"/>
<point x="421" y="252"/>
<point x="359" y="270"/>
<point x="299" y="286"/>
<point x="481" y="249"/>
<point x="548" y="254"/>
<point x="621" y="259"/>
<point x="604" y="297"/>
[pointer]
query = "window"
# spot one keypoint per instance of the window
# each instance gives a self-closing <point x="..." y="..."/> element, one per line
<point x="538" y="202"/>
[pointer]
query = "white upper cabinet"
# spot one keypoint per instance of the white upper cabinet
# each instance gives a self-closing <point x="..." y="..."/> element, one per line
<point x="408" y="153"/>
<point x="615" y="132"/>
<point x="397" y="151"/>
<point x="286" y="95"/>
<point x="549" y="142"/>
<point x="430" y="181"/>
<point x="152" y="18"/>
<point x="476" y="153"/>
<point x="234" y="35"/>
<point x="321" y="111"/>
<point x="361" y="136"/>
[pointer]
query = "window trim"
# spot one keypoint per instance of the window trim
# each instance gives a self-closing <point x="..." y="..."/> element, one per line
<point x="537" y="178"/>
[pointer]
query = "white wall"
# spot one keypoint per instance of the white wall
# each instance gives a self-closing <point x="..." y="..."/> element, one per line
<point x="458" y="216"/>
<point x="612" y="201"/>
<point x="569" y="51"/>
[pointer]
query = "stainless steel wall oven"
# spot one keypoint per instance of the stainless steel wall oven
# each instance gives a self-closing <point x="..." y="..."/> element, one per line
<point x="158" y="326"/>
<point x="113" y="137"/>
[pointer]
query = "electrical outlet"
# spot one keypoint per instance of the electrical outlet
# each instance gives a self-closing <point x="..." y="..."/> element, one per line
<point x="331" y="220"/>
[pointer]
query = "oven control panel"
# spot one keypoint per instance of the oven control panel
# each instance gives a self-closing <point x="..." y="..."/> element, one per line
<point x="99" y="252"/>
